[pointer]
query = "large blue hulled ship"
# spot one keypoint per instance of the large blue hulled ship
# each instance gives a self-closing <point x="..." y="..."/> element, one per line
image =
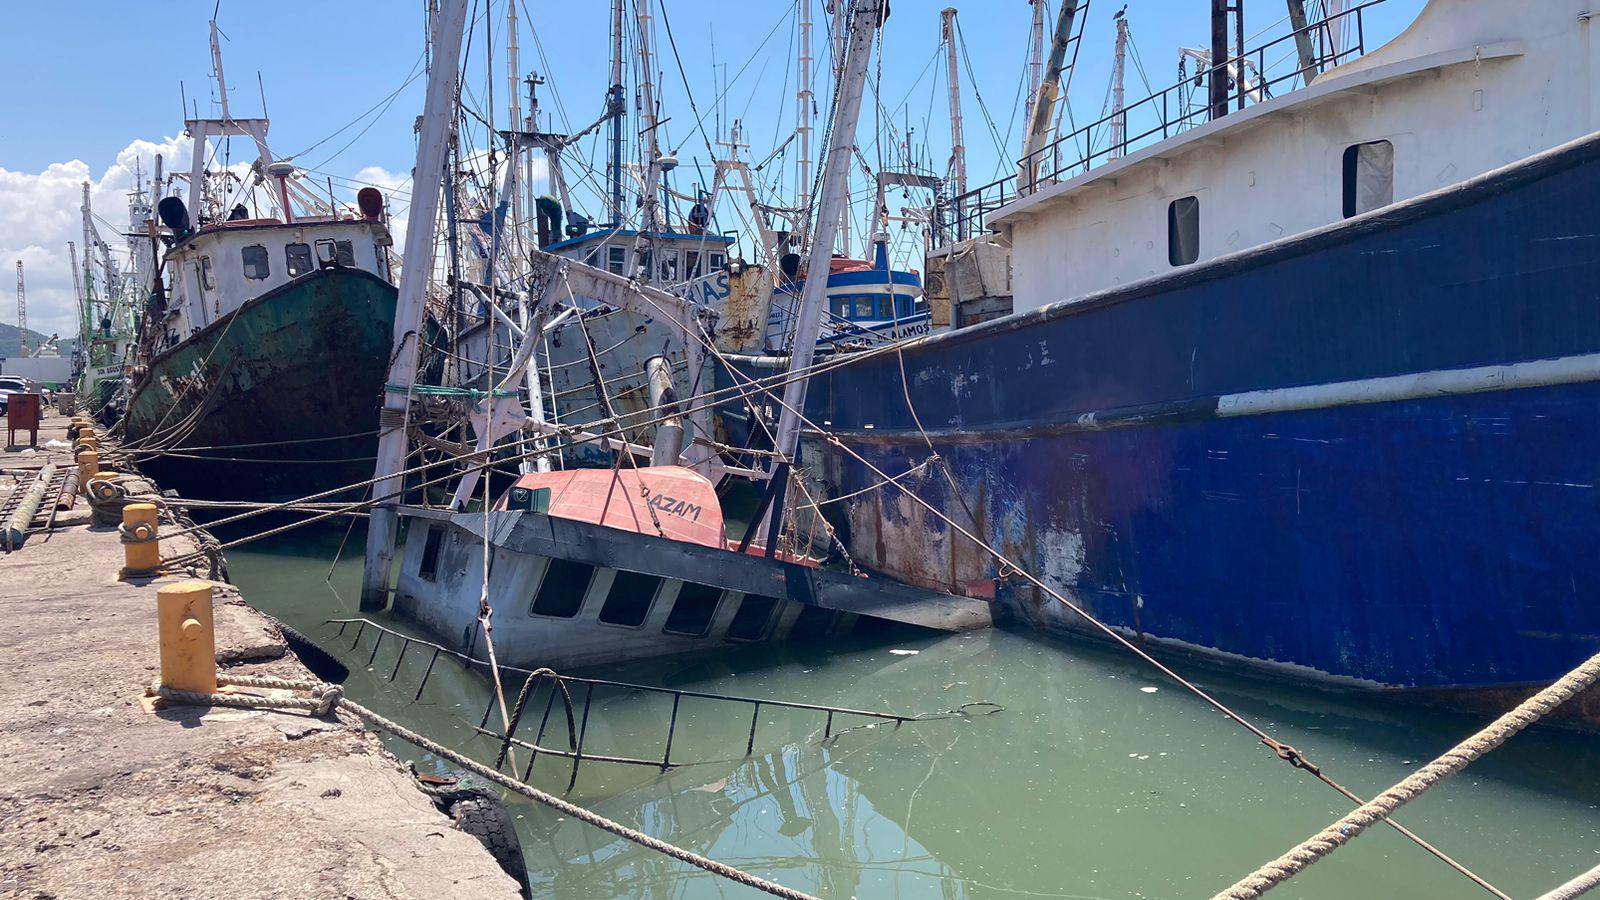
<point x="1310" y="388"/>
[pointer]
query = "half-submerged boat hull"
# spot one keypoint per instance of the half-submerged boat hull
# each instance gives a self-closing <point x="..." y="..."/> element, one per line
<point x="1363" y="456"/>
<point x="278" y="399"/>
<point x="568" y="593"/>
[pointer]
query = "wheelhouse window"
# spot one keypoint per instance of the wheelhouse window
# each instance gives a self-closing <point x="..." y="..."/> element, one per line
<point x="562" y="588"/>
<point x="428" y="568"/>
<point x="691" y="613"/>
<point x="691" y="264"/>
<point x="208" y="276"/>
<point x="344" y="253"/>
<point x="1183" y="231"/>
<point x="839" y="306"/>
<point x="717" y="261"/>
<point x="255" y="262"/>
<point x="751" y="621"/>
<point x="616" y="260"/>
<point x="628" y="601"/>
<point x="668" y="273"/>
<point x="297" y="259"/>
<point x="1368" y="177"/>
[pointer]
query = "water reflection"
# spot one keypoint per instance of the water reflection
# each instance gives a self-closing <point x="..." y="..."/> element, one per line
<point x="1088" y="784"/>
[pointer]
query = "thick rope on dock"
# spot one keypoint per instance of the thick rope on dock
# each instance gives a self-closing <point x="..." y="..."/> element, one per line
<point x="322" y="699"/>
<point x="1385" y="804"/>
<point x="1577" y="887"/>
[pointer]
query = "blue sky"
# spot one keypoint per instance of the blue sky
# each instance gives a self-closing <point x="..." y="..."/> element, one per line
<point x="82" y="81"/>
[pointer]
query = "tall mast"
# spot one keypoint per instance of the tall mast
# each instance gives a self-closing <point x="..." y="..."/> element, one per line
<point x="216" y="65"/>
<point x="1218" y="78"/>
<point x="1044" y="107"/>
<point x="803" y="102"/>
<point x="839" y="8"/>
<point x="614" y="106"/>
<point x="432" y="141"/>
<point x="858" y="52"/>
<point x="1302" y="42"/>
<point x="1119" y="122"/>
<point x="958" y="150"/>
<point x="1035" y="57"/>
<point x="650" y="218"/>
<point x="514" y="124"/>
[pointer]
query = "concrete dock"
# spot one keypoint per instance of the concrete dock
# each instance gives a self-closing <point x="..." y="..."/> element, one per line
<point x="103" y="798"/>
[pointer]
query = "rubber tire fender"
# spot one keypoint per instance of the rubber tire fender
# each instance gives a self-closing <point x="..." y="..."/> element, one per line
<point x="322" y="664"/>
<point x="486" y="818"/>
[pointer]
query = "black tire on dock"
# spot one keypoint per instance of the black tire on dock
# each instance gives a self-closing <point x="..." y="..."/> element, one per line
<point x="484" y="817"/>
<point x="322" y="664"/>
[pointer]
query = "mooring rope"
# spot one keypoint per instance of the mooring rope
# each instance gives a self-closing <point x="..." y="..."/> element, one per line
<point x="1379" y="808"/>
<point x="322" y="699"/>
<point x="1577" y="887"/>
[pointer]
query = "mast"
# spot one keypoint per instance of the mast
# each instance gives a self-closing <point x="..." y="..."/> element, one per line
<point x="1218" y="79"/>
<point x="958" y="150"/>
<point x="514" y="107"/>
<point x="432" y="141"/>
<point x="650" y="207"/>
<point x="1035" y="57"/>
<point x="803" y="101"/>
<point x="615" y="106"/>
<point x="858" y="52"/>
<point x="1044" y="107"/>
<point x="1119" y="121"/>
<point x="839" y="9"/>
<point x="1302" y="42"/>
<point x="216" y="65"/>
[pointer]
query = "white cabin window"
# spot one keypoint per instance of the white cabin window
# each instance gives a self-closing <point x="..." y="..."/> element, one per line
<point x="716" y="261"/>
<point x="255" y="262"/>
<point x="668" y="273"/>
<point x="691" y="264"/>
<point x="344" y="253"/>
<point x="1183" y="231"/>
<point x="297" y="259"/>
<point x="1368" y="177"/>
<point x="208" y="278"/>
<point x="616" y="260"/>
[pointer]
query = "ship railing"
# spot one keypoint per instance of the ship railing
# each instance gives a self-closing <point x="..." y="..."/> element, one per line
<point x="583" y="690"/>
<point x="1170" y="112"/>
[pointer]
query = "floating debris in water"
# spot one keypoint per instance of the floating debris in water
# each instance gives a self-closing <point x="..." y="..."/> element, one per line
<point x="1148" y="689"/>
<point x="898" y="652"/>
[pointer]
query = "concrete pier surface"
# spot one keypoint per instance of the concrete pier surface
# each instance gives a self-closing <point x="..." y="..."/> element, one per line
<point x="102" y="798"/>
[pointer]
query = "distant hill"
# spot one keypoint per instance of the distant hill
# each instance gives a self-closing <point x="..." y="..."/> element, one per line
<point x="11" y="344"/>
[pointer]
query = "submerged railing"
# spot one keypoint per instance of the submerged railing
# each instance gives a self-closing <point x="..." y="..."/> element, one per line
<point x="1172" y="111"/>
<point x="568" y="686"/>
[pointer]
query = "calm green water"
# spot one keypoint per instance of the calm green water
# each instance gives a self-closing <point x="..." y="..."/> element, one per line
<point x="1087" y="784"/>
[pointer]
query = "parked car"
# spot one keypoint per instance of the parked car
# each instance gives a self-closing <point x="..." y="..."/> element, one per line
<point x="17" y="384"/>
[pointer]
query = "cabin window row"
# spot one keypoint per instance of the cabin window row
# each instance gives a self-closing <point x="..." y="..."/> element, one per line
<point x="867" y="306"/>
<point x="669" y="266"/>
<point x="631" y="596"/>
<point x="1367" y="179"/>
<point x="298" y="259"/>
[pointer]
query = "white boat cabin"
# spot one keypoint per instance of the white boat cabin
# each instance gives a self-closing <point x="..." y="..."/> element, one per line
<point x="225" y="265"/>
<point x="1470" y="86"/>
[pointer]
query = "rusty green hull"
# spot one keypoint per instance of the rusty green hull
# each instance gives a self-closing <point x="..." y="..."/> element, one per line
<point x="275" y="401"/>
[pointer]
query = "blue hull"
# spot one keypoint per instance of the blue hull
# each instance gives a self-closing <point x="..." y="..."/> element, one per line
<point x="1367" y="455"/>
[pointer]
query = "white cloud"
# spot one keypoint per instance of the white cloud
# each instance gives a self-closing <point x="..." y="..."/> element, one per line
<point x="39" y="214"/>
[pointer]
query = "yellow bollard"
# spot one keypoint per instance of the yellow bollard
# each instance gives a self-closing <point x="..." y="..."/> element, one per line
<point x="141" y="551"/>
<point x="88" y="467"/>
<point x="188" y="638"/>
